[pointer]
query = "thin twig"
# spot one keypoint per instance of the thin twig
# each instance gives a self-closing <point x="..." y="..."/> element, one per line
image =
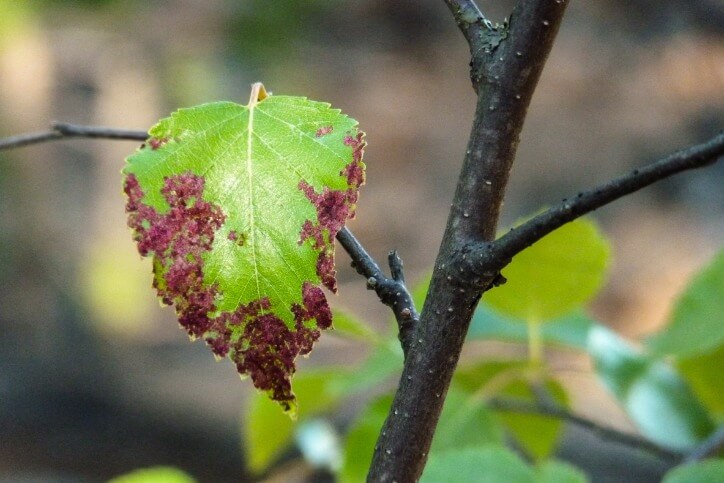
<point x="391" y="291"/>
<point x="518" y="239"/>
<point x="471" y="21"/>
<point x="608" y="433"/>
<point x="61" y="131"/>
<point x="709" y="447"/>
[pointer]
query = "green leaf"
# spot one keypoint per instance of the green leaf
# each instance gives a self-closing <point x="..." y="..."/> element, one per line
<point x="157" y="474"/>
<point x="239" y="207"/>
<point x="708" y="471"/>
<point x="569" y="330"/>
<point x="704" y="374"/>
<point x="697" y="323"/>
<point x="655" y="396"/>
<point x="558" y="472"/>
<point x="556" y="275"/>
<point x="536" y="434"/>
<point x="486" y="464"/>
<point x="383" y="362"/>
<point x="267" y="432"/>
<point x="349" y="326"/>
<point x="465" y="421"/>
<point x="360" y="441"/>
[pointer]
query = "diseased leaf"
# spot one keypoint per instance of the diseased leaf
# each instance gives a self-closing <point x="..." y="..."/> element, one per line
<point x="556" y="275"/>
<point x="239" y="207"/>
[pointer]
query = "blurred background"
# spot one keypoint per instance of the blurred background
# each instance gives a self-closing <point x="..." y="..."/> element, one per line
<point x="96" y="379"/>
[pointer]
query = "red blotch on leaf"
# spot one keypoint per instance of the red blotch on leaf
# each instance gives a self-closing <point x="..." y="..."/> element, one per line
<point x="266" y="348"/>
<point x="156" y="143"/>
<point x="323" y="131"/>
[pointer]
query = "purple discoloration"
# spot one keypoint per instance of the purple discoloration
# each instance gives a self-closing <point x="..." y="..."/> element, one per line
<point x="236" y="237"/>
<point x="156" y="143"/>
<point x="334" y="207"/>
<point x="267" y="348"/>
<point x="323" y="131"/>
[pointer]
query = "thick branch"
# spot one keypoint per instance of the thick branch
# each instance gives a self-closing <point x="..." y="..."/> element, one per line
<point x="527" y="407"/>
<point x="505" y="73"/>
<point x="520" y="238"/>
<point x="63" y="130"/>
<point x="391" y="291"/>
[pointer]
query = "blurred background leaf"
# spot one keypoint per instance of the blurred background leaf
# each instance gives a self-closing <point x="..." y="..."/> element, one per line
<point x="696" y="324"/>
<point x="651" y="391"/>
<point x="556" y="275"/>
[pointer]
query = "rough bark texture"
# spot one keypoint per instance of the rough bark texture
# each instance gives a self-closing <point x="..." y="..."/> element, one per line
<point x="505" y="76"/>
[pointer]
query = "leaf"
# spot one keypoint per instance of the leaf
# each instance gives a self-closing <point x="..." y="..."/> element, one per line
<point x="383" y="362"/>
<point x="361" y="438"/>
<point x="239" y="207"/>
<point x="536" y="434"/>
<point x="486" y="464"/>
<point x="156" y="474"/>
<point x="708" y="471"/>
<point x="697" y="322"/>
<point x="465" y="421"/>
<point x="349" y="326"/>
<point x="653" y="394"/>
<point x="558" y="472"/>
<point x="556" y="275"/>
<point x="568" y="330"/>
<point x="704" y="374"/>
<point x="268" y="432"/>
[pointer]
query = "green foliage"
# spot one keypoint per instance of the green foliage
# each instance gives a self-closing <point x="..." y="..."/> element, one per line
<point x="486" y="464"/>
<point x="494" y="464"/>
<point x="556" y="275"/>
<point x="558" y="472"/>
<point x="654" y="395"/>
<point x="697" y="322"/>
<point x="570" y="330"/>
<point x="267" y="432"/>
<point x="708" y="471"/>
<point x="239" y="207"/>
<point x="361" y="438"/>
<point x="536" y="434"/>
<point x="465" y="421"/>
<point x="349" y="326"/>
<point x="157" y="474"/>
<point x="704" y="375"/>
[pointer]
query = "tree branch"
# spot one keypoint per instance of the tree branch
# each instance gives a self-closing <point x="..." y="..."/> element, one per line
<point x="506" y="67"/>
<point x="391" y="291"/>
<point x="61" y="131"/>
<point x="471" y="21"/>
<point x="523" y="236"/>
<point x="527" y="407"/>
